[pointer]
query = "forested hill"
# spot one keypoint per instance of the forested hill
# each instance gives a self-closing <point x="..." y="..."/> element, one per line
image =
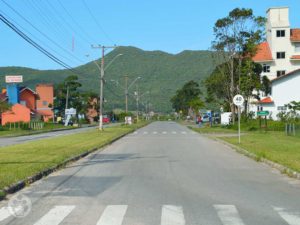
<point x="161" y="74"/>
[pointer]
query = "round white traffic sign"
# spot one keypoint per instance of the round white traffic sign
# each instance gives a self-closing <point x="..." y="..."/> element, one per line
<point x="238" y="100"/>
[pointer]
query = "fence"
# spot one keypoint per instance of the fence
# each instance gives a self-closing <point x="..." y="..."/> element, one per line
<point x="292" y="129"/>
<point x="34" y="125"/>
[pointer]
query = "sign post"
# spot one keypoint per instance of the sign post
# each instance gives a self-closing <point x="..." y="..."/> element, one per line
<point x="238" y="100"/>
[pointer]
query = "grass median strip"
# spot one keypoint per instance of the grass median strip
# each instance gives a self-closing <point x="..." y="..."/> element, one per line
<point x="18" y="162"/>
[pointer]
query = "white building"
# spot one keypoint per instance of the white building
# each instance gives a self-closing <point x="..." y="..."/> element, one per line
<point x="280" y="58"/>
<point x="280" y="54"/>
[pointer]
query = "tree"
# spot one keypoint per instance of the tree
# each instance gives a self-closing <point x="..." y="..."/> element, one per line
<point x="68" y="87"/>
<point x="236" y="38"/>
<point x="186" y="97"/>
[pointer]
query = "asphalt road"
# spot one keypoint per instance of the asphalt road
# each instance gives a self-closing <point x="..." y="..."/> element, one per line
<point x="162" y="174"/>
<point x="4" y="141"/>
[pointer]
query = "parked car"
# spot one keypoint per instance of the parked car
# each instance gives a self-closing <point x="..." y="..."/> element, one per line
<point x="105" y="119"/>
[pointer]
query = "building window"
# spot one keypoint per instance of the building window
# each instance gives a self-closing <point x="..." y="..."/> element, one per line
<point x="266" y="68"/>
<point x="281" y="108"/>
<point x="280" y="33"/>
<point x="45" y="103"/>
<point x="280" y="73"/>
<point x="297" y="47"/>
<point x="280" y="55"/>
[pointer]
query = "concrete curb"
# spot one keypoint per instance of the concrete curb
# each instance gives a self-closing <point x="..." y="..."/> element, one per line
<point x="29" y="180"/>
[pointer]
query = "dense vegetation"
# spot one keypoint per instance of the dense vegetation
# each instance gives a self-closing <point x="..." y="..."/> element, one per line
<point x="162" y="74"/>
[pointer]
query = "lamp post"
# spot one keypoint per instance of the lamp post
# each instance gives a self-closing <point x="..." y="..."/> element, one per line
<point x="102" y="70"/>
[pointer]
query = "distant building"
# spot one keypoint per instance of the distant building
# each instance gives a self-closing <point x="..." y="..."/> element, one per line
<point x="280" y="59"/>
<point x="28" y="104"/>
<point x="44" y="105"/>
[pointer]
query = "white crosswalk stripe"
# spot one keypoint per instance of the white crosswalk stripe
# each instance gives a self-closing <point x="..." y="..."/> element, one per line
<point x="113" y="215"/>
<point x="228" y="214"/>
<point x="183" y="132"/>
<point x="135" y="132"/>
<point x="172" y="215"/>
<point x="164" y="132"/>
<point x="4" y="213"/>
<point x="145" y="132"/>
<point x="174" y="132"/>
<point x="56" y="215"/>
<point x="154" y="132"/>
<point x="290" y="218"/>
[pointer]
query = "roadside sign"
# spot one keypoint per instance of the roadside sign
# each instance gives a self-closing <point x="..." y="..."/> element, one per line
<point x="14" y="79"/>
<point x="238" y="100"/>
<point x="263" y="113"/>
<point x="70" y="111"/>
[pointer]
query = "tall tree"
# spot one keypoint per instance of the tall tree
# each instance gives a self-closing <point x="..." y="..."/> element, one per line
<point x="236" y="38"/>
<point x="186" y="97"/>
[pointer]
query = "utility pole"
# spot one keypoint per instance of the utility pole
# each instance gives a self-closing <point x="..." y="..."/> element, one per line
<point x="102" y="82"/>
<point x="137" y="102"/>
<point x="126" y="93"/>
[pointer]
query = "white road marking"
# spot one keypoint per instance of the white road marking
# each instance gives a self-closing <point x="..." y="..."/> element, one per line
<point x="290" y="218"/>
<point x="174" y="132"/>
<point x="4" y="213"/>
<point x="183" y="132"/>
<point x="135" y="132"/>
<point x="113" y="215"/>
<point x="164" y="132"/>
<point x="56" y="215"/>
<point x="172" y="215"/>
<point x="228" y="214"/>
<point x="145" y="132"/>
<point x="154" y="132"/>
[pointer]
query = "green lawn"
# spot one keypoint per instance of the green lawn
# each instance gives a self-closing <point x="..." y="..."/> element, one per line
<point x="21" y="161"/>
<point x="275" y="146"/>
<point x="212" y="130"/>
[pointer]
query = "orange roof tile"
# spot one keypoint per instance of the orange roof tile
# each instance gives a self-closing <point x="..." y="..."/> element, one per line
<point x="295" y="57"/>
<point x="295" y="35"/>
<point x="266" y="100"/>
<point x="263" y="53"/>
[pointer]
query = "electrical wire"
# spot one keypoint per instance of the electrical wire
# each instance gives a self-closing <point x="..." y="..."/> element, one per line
<point x="35" y="45"/>
<point x="42" y="33"/>
<point x="96" y="22"/>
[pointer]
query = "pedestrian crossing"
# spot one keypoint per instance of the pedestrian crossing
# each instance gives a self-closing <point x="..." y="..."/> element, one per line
<point x="143" y="133"/>
<point x="170" y="215"/>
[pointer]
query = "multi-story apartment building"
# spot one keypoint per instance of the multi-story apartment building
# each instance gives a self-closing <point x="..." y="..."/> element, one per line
<point x="280" y="57"/>
<point x="280" y="54"/>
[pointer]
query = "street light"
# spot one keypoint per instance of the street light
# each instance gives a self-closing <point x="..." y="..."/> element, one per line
<point x="127" y="90"/>
<point x="102" y="70"/>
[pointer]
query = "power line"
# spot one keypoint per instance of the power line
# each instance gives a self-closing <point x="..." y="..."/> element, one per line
<point x="75" y="22"/>
<point x="96" y="22"/>
<point x="42" y="33"/>
<point x="34" y="44"/>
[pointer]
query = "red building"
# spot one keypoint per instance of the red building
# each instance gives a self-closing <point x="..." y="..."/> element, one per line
<point x="36" y="104"/>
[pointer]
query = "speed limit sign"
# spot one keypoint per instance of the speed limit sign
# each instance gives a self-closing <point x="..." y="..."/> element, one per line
<point x="238" y="100"/>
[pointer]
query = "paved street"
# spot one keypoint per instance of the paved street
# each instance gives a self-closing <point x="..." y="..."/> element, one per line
<point x="4" y="141"/>
<point x="163" y="174"/>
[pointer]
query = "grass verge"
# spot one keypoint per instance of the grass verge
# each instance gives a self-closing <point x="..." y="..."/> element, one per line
<point x="18" y="162"/>
<point x="274" y="146"/>
<point x="213" y="130"/>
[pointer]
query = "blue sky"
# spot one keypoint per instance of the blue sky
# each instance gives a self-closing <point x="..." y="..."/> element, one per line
<point x="167" y="25"/>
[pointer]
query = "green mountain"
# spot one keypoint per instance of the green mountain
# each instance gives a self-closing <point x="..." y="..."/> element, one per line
<point x="161" y="75"/>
